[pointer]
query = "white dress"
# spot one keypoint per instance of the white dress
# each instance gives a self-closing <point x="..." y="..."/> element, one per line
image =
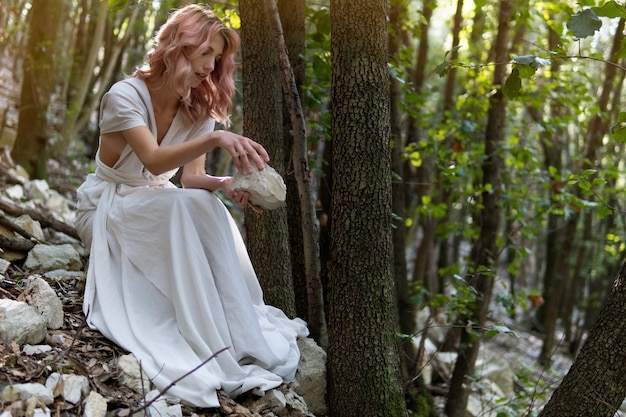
<point x="169" y="277"/>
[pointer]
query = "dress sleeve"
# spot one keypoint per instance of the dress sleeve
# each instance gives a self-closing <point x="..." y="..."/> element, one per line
<point x="122" y="108"/>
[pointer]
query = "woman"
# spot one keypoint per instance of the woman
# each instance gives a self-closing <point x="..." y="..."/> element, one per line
<point x="169" y="277"/>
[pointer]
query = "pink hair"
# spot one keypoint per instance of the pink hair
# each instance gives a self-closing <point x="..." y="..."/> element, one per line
<point x="186" y="31"/>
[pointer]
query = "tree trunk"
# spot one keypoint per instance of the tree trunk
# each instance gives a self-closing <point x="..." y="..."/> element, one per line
<point x="406" y="309"/>
<point x="483" y="258"/>
<point x="595" y="385"/>
<point x="267" y="234"/>
<point x="363" y="362"/>
<point x="316" y="314"/>
<point x="38" y="84"/>
<point x="292" y="18"/>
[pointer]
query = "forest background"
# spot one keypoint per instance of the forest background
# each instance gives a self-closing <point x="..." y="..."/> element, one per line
<point x="457" y="155"/>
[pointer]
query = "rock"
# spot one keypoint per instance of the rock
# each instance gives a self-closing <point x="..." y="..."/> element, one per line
<point x="273" y="401"/>
<point x="37" y="190"/>
<point x="16" y="192"/>
<point x="24" y="392"/>
<point x="31" y="350"/>
<point x="130" y="373"/>
<point x="160" y="407"/>
<point x="31" y="226"/>
<point x="266" y="187"/>
<point x="311" y="376"/>
<point x="71" y="387"/>
<point x="4" y="267"/>
<point x="40" y="295"/>
<point x="63" y="275"/>
<point x="21" y="323"/>
<point x="43" y="258"/>
<point x="296" y="406"/>
<point x="95" y="405"/>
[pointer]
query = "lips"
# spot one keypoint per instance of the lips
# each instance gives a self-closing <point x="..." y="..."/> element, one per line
<point x="201" y="75"/>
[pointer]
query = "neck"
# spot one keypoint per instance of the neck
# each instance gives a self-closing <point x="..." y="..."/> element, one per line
<point x="163" y="98"/>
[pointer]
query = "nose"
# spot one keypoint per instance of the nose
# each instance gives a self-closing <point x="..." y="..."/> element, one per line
<point x="209" y="64"/>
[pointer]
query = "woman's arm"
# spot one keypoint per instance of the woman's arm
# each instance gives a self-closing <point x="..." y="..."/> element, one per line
<point x="159" y="159"/>
<point x="195" y="176"/>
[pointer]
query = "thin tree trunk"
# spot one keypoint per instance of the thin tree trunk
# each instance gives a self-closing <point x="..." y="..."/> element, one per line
<point x="292" y="14"/>
<point x="316" y="315"/>
<point x="267" y="234"/>
<point x="38" y="84"/>
<point x="483" y="258"/>
<point x="406" y="309"/>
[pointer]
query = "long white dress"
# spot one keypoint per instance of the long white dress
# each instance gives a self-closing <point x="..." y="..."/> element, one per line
<point x="169" y="277"/>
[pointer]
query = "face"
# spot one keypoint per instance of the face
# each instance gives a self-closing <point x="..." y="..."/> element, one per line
<point x="204" y="64"/>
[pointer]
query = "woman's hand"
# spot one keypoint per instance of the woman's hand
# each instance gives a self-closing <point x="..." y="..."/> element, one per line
<point x="239" y="197"/>
<point x="242" y="150"/>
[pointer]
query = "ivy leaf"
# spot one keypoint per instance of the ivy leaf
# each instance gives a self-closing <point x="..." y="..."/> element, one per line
<point x="584" y="23"/>
<point x="513" y="84"/>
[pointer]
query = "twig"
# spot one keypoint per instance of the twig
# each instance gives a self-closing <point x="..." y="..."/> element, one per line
<point x="177" y="380"/>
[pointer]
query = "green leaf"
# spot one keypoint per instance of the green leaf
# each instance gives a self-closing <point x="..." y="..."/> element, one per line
<point x="443" y="68"/>
<point x="513" y="84"/>
<point x="526" y="71"/>
<point x="499" y="329"/>
<point x="584" y="23"/>
<point x="115" y="5"/>
<point x="604" y="211"/>
<point x="610" y="9"/>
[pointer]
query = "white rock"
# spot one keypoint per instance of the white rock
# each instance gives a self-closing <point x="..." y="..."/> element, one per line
<point x="62" y="274"/>
<point x="72" y="387"/>
<point x="23" y="392"/>
<point x="4" y="267"/>
<point x="31" y="226"/>
<point x="37" y="189"/>
<point x="36" y="349"/>
<point x="40" y="295"/>
<point x="311" y="376"/>
<point x="266" y="187"/>
<point x="296" y="406"/>
<point x="95" y="405"/>
<point x="130" y="372"/>
<point x="161" y="407"/>
<point x="21" y="323"/>
<point x="272" y="400"/>
<point x="43" y="258"/>
<point x="16" y="192"/>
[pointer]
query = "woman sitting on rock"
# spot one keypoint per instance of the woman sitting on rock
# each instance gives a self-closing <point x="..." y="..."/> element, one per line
<point x="169" y="277"/>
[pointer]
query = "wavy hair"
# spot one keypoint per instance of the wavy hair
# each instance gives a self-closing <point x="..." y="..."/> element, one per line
<point x="185" y="33"/>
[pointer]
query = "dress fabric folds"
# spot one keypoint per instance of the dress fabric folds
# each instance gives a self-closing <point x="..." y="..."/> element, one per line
<point x="169" y="277"/>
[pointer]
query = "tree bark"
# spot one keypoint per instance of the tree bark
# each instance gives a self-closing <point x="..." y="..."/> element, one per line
<point x="292" y="14"/>
<point x="363" y="362"/>
<point x="316" y="316"/>
<point x="595" y="385"/>
<point x="38" y="84"/>
<point x="267" y="234"/>
<point x="483" y="257"/>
